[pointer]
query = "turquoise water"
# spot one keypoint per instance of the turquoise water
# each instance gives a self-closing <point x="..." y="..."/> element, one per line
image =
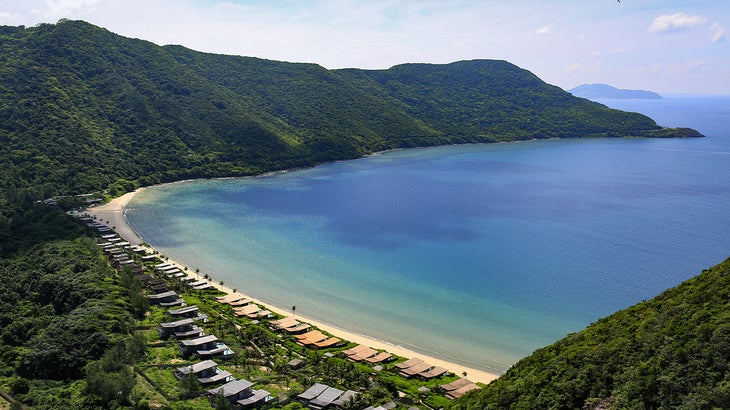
<point x="476" y="254"/>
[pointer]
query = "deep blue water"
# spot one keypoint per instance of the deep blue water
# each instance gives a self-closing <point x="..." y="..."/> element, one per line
<point x="477" y="254"/>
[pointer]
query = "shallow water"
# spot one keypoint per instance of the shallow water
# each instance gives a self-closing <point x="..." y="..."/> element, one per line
<point x="476" y="254"/>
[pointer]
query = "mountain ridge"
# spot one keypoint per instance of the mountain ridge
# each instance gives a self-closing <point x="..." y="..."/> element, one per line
<point x="85" y="109"/>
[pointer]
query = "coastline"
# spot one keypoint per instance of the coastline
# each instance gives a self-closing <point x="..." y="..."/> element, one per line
<point x="113" y="213"/>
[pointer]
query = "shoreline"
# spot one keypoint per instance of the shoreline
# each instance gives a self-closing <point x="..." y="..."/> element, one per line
<point x="113" y="213"/>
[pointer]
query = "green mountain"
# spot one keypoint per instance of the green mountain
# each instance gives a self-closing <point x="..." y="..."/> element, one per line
<point x="671" y="352"/>
<point x="82" y="108"/>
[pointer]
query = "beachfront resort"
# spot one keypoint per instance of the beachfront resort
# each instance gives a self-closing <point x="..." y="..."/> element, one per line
<point x="213" y="346"/>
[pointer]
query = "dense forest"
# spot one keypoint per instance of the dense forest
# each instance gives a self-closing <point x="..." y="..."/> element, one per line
<point x="84" y="110"/>
<point x="65" y="317"/>
<point x="671" y="352"/>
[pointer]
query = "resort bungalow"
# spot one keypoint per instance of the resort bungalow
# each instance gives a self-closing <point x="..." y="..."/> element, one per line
<point x="241" y="394"/>
<point x="290" y="325"/>
<point x="204" y="286"/>
<point x="207" y="372"/>
<point x="417" y="367"/>
<point x="192" y="312"/>
<point x="205" y="346"/>
<point x="150" y="258"/>
<point x="233" y="300"/>
<point x="179" y="329"/>
<point x="320" y="396"/>
<point x="252" y="311"/>
<point x="364" y="353"/>
<point x="162" y="287"/>
<point x="141" y="250"/>
<point x="457" y="388"/>
<point x="163" y="298"/>
<point x="317" y="339"/>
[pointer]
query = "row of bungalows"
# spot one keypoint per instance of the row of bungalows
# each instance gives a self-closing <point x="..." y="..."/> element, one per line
<point x="172" y="271"/>
<point x="92" y="223"/>
<point x="417" y="367"/>
<point x="362" y="353"/>
<point x="240" y="393"/>
<point x="315" y="338"/>
<point x="117" y="251"/>
<point x="168" y="269"/>
<point x="320" y="396"/>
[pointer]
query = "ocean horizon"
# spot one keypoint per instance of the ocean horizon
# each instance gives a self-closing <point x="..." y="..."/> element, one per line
<point x="476" y="254"/>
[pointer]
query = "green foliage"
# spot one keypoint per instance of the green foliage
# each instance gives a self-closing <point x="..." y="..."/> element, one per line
<point x="60" y="322"/>
<point x="84" y="109"/>
<point x="667" y="353"/>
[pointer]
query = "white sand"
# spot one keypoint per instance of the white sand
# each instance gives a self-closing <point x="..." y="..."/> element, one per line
<point x="113" y="212"/>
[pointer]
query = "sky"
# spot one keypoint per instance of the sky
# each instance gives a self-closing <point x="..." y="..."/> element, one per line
<point x="666" y="46"/>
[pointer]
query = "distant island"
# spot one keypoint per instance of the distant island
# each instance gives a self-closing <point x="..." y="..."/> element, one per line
<point x="606" y="91"/>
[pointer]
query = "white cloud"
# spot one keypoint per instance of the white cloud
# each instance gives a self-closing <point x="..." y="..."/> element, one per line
<point x="64" y="8"/>
<point x="544" y="30"/>
<point x="717" y="32"/>
<point x="572" y="67"/>
<point x="680" y="68"/>
<point x="7" y="18"/>
<point x="674" y="22"/>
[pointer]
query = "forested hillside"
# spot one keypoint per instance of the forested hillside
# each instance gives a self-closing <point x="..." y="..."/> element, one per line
<point x="671" y="352"/>
<point x="82" y="108"/>
<point x="65" y="317"/>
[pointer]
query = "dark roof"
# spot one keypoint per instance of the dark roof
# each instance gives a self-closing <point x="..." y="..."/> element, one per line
<point x="326" y="397"/>
<point x="313" y="391"/>
<point x="181" y="322"/>
<point x="197" y="367"/>
<point x="232" y="388"/>
<point x="256" y="397"/>
<point x="199" y="341"/>
<point x="183" y="310"/>
<point x="342" y="400"/>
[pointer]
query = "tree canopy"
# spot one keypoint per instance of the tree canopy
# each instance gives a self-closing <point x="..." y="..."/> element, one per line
<point x="670" y="352"/>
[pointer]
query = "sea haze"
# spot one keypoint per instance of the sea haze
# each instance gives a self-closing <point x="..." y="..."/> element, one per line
<point x="477" y="254"/>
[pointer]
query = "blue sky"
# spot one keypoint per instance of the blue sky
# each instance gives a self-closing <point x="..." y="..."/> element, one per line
<point x="665" y="46"/>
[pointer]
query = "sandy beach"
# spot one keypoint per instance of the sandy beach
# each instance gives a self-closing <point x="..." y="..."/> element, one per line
<point x="113" y="214"/>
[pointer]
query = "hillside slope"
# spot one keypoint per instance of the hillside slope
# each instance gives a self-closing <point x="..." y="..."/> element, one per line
<point x="671" y="352"/>
<point x="82" y="108"/>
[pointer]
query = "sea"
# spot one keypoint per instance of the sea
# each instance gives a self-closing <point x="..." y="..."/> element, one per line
<point x="476" y="254"/>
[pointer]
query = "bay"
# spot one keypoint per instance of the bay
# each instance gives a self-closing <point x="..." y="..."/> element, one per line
<point x="476" y="254"/>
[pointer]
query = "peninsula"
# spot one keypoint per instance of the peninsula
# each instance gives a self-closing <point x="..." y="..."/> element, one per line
<point x="598" y="91"/>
